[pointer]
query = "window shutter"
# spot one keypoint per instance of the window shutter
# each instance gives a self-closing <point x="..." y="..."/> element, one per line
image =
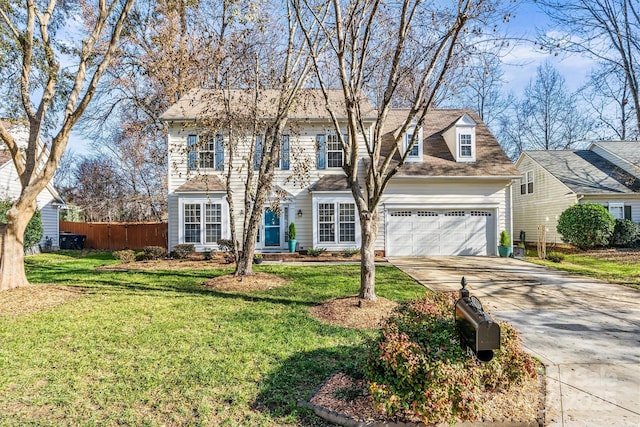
<point x="627" y="213"/>
<point x="219" y="152"/>
<point x="284" y="153"/>
<point x="192" y="152"/>
<point x="257" y="154"/>
<point x="321" y="152"/>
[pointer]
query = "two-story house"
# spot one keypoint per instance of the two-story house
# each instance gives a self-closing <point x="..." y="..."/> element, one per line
<point x="453" y="196"/>
<point x="608" y="173"/>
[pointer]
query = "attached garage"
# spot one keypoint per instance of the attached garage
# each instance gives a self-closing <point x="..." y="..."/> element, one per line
<point x="415" y="232"/>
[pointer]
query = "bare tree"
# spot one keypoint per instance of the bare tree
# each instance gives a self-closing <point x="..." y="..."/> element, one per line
<point x="401" y="54"/>
<point x="548" y="117"/>
<point x="607" y="94"/>
<point x="608" y="30"/>
<point x="30" y="31"/>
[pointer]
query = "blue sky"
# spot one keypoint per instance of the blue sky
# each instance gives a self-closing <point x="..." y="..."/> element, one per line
<point x="521" y="63"/>
<point x="519" y="67"/>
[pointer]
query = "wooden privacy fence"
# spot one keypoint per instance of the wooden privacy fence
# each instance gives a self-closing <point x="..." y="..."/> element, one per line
<point x="117" y="235"/>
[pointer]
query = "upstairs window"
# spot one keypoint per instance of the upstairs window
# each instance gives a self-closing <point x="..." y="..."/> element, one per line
<point x="465" y="145"/>
<point x="329" y="153"/>
<point x="526" y="183"/>
<point x="205" y="155"/>
<point x="283" y="162"/>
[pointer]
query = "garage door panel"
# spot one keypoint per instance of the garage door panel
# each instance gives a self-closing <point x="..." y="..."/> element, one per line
<point x="432" y="232"/>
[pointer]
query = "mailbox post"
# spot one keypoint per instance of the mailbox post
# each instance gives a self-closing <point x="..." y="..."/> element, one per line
<point x="476" y="328"/>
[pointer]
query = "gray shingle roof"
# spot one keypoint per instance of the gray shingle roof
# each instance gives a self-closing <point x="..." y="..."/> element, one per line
<point x="585" y="172"/>
<point x="629" y="151"/>
<point x="206" y="103"/>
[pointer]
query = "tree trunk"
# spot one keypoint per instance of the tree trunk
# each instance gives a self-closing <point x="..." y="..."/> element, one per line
<point x="369" y="231"/>
<point x="12" y="273"/>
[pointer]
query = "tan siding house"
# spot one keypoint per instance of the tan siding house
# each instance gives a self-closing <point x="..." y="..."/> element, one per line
<point x="452" y="197"/>
<point x="552" y="181"/>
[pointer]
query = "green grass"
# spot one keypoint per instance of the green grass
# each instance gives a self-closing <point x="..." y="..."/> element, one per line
<point x="157" y="348"/>
<point x="622" y="272"/>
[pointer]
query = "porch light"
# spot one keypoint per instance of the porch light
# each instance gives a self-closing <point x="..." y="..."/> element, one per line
<point x="299" y="213"/>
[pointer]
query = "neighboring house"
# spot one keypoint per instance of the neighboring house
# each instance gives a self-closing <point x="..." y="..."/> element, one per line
<point x="453" y="197"/>
<point x="49" y="201"/>
<point x="607" y="173"/>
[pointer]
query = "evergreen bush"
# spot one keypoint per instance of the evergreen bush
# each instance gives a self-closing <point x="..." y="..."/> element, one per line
<point x="625" y="233"/>
<point x="586" y="225"/>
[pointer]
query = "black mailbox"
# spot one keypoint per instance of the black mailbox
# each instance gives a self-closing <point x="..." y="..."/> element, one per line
<point x="477" y="329"/>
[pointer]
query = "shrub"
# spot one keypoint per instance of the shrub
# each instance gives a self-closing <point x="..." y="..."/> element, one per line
<point x="417" y="364"/>
<point x="504" y="238"/>
<point x="555" y="257"/>
<point x="227" y="246"/>
<point x="586" y="225"/>
<point x="154" y="252"/>
<point x="625" y="233"/>
<point x="348" y="253"/>
<point x="292" y="231"/>
<point x="33" y="232"/>
<point x="316" y="252"/>
<point x="208" y="255"/>
<point x="125" y="255"/>
<point x="182" y="250"/>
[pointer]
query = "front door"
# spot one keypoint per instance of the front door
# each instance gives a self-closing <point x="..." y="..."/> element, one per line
<point x="271" y="228"/>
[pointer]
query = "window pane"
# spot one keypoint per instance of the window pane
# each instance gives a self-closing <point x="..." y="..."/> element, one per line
<point x="334" y="152"/>
<point x="213" y="222"/>
<point x="326" y="222"/>
<point x="465" y="145"/>
<point x="415" y="150"/>
<point x="347" y="222"/>
<point x="192" y="223"/>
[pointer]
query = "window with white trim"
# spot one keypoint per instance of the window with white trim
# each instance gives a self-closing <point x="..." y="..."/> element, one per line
<point x="526" y="183"/>
<point x="192" y="221"/>
<point x="202" y="222"/>
<point x="340" y="216"/>
<point x="207" y="154"/>
<point x="347" y="222"/>
<point x="617" y="210"/>
<point x="464" y="139"/>
<point x="326" y="223"/>
<point x="329" y="153"/>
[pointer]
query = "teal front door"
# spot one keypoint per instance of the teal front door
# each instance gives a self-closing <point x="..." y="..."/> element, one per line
<point x="271" y="228"/>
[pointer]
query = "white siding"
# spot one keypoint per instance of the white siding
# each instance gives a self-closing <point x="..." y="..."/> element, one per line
<point x="453" y="194"/>
<point x="543" y="207"/>
<point x="302" y="154"/>
<point x="10" y="189"/>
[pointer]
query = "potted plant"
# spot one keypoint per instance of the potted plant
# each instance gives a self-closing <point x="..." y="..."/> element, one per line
<point x="257" y="258"/>
<point x="292" y="237"/>
<point x="504" y="249"/>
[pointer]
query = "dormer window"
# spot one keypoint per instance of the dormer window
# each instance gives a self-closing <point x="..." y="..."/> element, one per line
<point x="460" y="137"/>
<point x="415" y="155"/>
<point x="464" y="140"/>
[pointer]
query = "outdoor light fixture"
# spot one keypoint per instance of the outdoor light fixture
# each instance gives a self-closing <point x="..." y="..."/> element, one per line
<point x="299" y="212"/>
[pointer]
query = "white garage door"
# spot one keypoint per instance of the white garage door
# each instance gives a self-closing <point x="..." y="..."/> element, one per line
<point x="440" y="232"/>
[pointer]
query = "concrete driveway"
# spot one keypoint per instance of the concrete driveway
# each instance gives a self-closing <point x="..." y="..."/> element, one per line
<point x="586" y="332"/>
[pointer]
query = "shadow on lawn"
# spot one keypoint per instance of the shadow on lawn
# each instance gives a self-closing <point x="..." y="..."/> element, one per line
<point x="299" y="377"/>
<point x="185" y="282"/>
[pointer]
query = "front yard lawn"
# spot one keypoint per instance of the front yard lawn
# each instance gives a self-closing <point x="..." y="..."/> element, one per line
<point x="615" y="266"/>
<point x="158" y="348"/>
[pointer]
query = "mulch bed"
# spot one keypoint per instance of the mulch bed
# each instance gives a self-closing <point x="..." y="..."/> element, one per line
<point x="33" y="298"/>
